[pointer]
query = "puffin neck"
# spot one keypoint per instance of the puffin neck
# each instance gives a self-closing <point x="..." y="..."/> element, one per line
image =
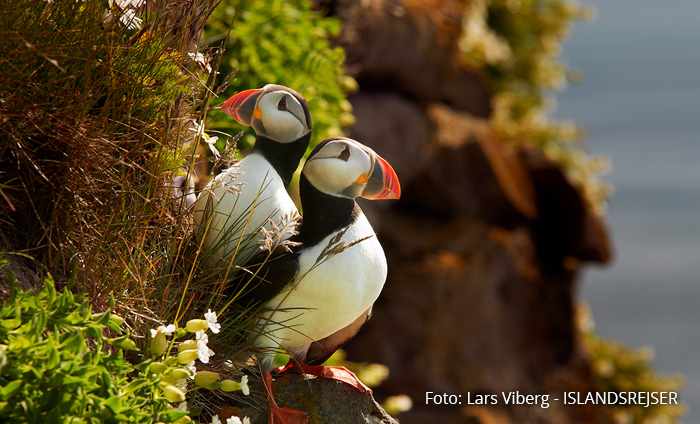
<point x="284" y="157"/>
<point x="323" y="214"/>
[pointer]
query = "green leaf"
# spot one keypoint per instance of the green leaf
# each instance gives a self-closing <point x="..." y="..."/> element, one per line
<point x="171" y="415"/>
<point x="11" y="324"/>
<point x="20" y="342"/>
<point x="93" y="332"/>
<point x="54" y="357"/>
<point x="3" y="356"/>
<point x="73" y="343"/>
<point x="54" y="416"/>
<point x="11" y="388"/>
<point x="135" y="385"/>
<point x="50" y="288"/>
<point x="114" y="404"/>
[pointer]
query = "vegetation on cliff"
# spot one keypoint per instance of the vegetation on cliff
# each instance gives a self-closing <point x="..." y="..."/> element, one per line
<point x="515" y="47"/>
<point x="287" y="43"/>
<point x="619" y="368"/>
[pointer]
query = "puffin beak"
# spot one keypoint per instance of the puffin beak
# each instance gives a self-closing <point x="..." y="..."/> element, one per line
<point x="241" y="106"/>
<point x="382" y="182"/>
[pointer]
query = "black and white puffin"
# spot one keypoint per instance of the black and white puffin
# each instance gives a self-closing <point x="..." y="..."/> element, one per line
<point x="241" y="200"/>
<point x="315" y="302"/>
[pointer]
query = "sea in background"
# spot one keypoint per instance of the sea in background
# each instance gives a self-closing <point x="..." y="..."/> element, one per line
<point x="639" y="101"/>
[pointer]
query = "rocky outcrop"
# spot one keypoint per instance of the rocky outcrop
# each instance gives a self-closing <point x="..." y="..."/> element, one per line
<point x="323" y="400"/>
<point x="487" y="243"/>
<point x="20" y="267"/>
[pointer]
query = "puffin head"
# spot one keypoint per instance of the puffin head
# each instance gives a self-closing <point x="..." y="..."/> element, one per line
<point x="274" y="111"/>
<point x="342" y="167"/>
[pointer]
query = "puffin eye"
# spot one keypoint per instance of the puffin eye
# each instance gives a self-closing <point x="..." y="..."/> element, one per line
<point x="344" y="155"/>
<point x="282" y="104"/>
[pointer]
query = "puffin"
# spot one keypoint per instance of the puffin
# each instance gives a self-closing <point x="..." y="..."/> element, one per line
<point x="316" y="295"/>
<point x="252" y="195"/>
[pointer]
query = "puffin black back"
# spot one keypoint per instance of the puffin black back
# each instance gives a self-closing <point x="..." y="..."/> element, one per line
<point x="267" y="274"/>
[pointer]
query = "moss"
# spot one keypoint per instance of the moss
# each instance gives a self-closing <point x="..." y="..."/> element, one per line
<point x="619" y="368"/>
<point x="515" y="46"/>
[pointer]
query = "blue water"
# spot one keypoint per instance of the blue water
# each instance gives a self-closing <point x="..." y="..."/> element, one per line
<point x="640" y="103"/>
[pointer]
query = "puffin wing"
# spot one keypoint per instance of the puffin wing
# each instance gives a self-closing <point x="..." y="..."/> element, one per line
<point x="265" y="275"/>
<point x="319" y="351"/>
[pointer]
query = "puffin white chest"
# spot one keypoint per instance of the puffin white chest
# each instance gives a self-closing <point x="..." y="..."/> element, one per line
<point x="332" y="293"/>
<point x="234" y="206"/>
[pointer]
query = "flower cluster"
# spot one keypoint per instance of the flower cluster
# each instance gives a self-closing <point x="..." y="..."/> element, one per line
<point x="203" y="61"/>
<point x="176" y="370"/>
<point x="232" y="420"/>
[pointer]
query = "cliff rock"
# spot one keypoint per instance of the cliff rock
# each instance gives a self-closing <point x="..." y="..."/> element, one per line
<point x="486" y="245"/>
<point x="323" y="400"/>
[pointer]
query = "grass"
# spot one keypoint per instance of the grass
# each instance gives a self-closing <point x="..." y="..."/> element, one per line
<point x="97" y="119"/>
<point x="96" y="123"/>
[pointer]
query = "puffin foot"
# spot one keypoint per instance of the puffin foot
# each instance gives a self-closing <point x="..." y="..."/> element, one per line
<point x="277" y="415"/>
<point x="336" y="373"/>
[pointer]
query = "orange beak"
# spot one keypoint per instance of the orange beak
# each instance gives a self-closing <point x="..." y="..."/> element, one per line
<point x="242" y="105"/>
<point x="383" y="182"/>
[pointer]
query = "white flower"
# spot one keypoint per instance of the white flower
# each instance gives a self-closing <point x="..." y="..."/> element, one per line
<point x="198" y="127"/>
<point x="192" y="369"/>
<point x="211" y="142"/>
<point x="201" y="60"/>
<point x="236" y="420"/>
<point x="215" y="420"/>
<point x="130" y="20"/>
<point x="203" y="350"/>
<point x="195" y="56"/>
<point x="244" y="385"/>
<point x="182" y="406"/>
<point x="167" y="331"/>
<point x="214" y="326"/>
<point x="127" y="4"/>
<point x="126" y="9"/>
